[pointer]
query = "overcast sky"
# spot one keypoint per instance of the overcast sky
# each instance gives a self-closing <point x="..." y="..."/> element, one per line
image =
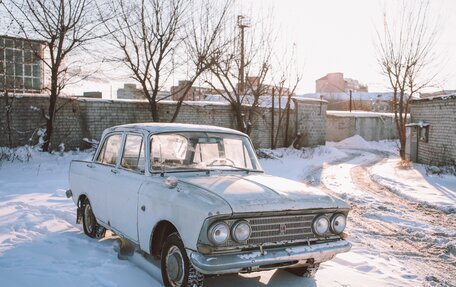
<point x="339" y="36"/>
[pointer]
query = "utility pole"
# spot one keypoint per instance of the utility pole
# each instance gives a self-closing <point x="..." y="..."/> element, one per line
<point x="350" y="101"/>
<point x="243" y="23"/>
<point x="272" y="118"/>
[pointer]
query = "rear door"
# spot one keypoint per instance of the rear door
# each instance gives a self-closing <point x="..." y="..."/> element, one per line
<point x="125" y="184"/>
<point x="100" y="173"/>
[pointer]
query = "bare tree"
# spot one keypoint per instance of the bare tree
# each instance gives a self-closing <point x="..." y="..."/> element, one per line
<point x="65" y="27"/>
<point x="156" y="38"/>
<point x="285" y="81"/>
<point x="405" y="54"/>
<point x="147" y="33"/>
<point x="285" y="90"/>
<point x="239" y="58"/>
<point x="203" y="39"/>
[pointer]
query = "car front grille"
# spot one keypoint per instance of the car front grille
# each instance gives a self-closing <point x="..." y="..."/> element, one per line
<point x="280" y="228"/>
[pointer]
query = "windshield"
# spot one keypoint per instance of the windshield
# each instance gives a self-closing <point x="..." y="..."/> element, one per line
<point x="199" y="150"/>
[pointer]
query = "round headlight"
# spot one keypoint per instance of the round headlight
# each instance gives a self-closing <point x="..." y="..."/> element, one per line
<point x="320" y="225"/>
<point x="241" y="231"/>
<point x="338" y="223"/>
<point x="218" y="233"/>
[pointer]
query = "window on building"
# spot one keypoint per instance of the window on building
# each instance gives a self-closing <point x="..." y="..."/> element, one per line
<point x="423" y="133"/>
<point x="20" y="67"/>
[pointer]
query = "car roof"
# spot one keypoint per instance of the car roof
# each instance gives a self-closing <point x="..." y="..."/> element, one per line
<point x="171" y="127"/>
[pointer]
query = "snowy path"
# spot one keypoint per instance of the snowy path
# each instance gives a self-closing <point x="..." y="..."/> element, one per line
<point x="386" y="225"/>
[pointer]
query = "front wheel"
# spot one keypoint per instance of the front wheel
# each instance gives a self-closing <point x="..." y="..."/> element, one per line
<point x="176" y="269"/>
<point x="89" y="222"/>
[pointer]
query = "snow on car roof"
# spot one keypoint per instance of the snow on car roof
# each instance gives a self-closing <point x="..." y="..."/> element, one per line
<point x="173" y="127"/>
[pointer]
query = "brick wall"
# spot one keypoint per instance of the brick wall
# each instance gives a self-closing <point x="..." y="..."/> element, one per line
<point x="440" y="114"/>
<point x="311" y="121"/>
<point x="87" y="118"/>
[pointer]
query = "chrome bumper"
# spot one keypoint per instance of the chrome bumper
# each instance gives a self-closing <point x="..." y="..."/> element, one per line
<point x="271" y="258"/>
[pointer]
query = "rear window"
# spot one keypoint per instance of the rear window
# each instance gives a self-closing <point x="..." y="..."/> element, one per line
<point x="133" y="155"/>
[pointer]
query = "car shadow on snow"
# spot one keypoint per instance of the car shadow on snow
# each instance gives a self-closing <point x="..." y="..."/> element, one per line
<point x="265" y="278"/>
<point x="273" y="278"/>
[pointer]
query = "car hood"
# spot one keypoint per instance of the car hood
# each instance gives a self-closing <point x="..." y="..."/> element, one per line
<point x="263" y="193"/>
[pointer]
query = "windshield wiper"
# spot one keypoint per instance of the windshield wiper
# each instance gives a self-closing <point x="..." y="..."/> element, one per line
<point x="239" y="168"/>
<point x="182" y="169"/>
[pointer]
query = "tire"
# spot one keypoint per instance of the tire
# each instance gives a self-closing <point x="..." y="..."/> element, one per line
<point x="176" y="269"/>
<point x="89" y="222"/>
<point x="306" y="271"/>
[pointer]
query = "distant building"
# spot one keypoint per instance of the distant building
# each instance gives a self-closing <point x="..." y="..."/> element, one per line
<point x="94" y="95"/>
<point x="253" y="85"/>
<point x="130" y="92"/>
<point x="21" y="68"/>
<point x="193" y="94"/>
<point x="336" y="83"/>
<point x="363" y="101"/>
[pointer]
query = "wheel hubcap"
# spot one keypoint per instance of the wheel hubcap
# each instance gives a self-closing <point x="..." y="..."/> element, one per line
<point x="88" y="217"/>
<point x="175" y="266"/>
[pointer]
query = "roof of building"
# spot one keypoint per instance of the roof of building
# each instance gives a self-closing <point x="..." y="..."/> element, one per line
<point x="358" y="114"/>
<point x="420" y="124"/>
<point x="326" y="76"/>
<point x="358" y="96"/>
<point x="323" y="78"/>
<point x="172" y="127"/>
<point x="25" y="39"/>
<point x="440" y="98"/>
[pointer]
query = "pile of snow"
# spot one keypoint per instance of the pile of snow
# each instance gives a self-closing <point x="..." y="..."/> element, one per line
<point x="358" y="142"/>
<point x="300" y="164"/>
<point x="416" y="184"/>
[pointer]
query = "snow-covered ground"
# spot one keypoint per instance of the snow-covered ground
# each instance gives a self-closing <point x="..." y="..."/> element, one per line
<point x="402" y="226"/>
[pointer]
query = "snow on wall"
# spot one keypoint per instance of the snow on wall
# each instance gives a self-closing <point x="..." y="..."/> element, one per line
<point x="87" y="118"/>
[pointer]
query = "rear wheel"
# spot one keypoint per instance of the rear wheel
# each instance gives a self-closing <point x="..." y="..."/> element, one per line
<point x="89" y="222"/>
<point x="176" y="269"/>
<point x="306" y="272"/>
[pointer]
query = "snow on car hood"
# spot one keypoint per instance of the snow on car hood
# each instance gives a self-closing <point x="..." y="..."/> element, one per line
<point x="257" y="193"/>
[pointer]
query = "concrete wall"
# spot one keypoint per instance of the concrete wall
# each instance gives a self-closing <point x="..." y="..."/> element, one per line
<point x="87" y="118"/>
<point x="371" y="126"/>
<point x="440" y="114"/>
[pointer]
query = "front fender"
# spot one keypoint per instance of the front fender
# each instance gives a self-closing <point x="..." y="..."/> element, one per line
<point x="185" y="206"/>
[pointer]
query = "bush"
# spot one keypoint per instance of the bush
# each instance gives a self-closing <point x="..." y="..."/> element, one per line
<point x="22" y="154"/>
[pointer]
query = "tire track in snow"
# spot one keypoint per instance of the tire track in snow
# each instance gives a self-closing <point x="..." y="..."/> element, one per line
<point x="382" y="220"/>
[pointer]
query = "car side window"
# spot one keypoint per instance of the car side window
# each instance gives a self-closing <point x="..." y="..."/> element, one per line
<point x="133" y="154"/>
<point x="108" y="154"/>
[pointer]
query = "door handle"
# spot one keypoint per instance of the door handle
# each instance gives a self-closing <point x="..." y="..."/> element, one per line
<point x="114" y="171"/>
<point x="143" y="208"/>
<point x="90" y="165"/>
